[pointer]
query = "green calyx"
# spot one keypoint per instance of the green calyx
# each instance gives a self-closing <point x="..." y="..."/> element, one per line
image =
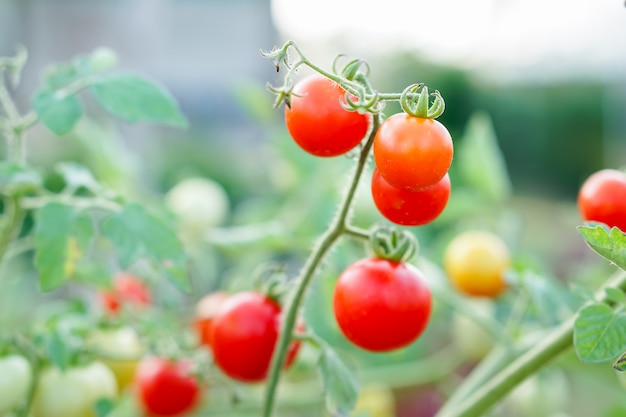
<point x="393" y="244"/>
<point x="415" y="101"/>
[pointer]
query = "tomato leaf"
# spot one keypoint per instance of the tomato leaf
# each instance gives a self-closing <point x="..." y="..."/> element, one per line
<point x="608" y="243"/>
<point x="136" y="233"/>
<point x="57" y="112"/>
<point x="76" y="176"/>
<point x="18" y="180"/>
<point x="53" y="225"/>
<point x="598" y="333"/>
<point x="134" y="99"/>
<point x="480" y="159"/>
<point x="340" y="385"/>
<point x="103" y="407"/>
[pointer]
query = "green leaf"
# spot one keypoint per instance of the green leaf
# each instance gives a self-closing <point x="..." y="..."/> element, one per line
<point x="480" y="159"/>
<point x="18" y="180"/>
<point x="136" y="233"/>
<point x="598" y="333"/>
<point x="615" y="295"/>
<point x="53" y="225"/>
<point x="135" y="99"/>
<point x="76" y="176"/>
<point x="340" y="385"/>
<point x="58" y="113"/>
<point x="104" y="407"/>
<point x="610" y="244"/>
<point x="59" y="352"/>
<point x="620" y="363"/>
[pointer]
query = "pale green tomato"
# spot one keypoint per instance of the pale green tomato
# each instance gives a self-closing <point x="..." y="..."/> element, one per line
<point x="198" y="204"/>
<point x="120" y="350"/>
<point x="16" y="375"/>
<point x="73" y="392"/>
<point x="471" y="339"/>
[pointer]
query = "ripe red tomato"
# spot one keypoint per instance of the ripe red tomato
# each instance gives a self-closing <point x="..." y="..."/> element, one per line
<point x="245" y="331"/>
<point x="127" y="289"/>
<point x="411" y="152"/>
<point x="206" y="309"/>
<point x="166" y="388"/>
<point x="381" y="305"/>
<point x="318" y="123"/>
<point x="406" y="207"/>
<point x="602" y="198"/>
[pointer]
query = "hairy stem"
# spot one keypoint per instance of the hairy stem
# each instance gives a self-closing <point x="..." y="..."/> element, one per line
<point x="336" y="229"/>
<point x="528" y="363"/>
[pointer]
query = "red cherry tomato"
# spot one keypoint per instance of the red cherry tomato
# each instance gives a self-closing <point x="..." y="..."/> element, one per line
<point x="127" y="289"/>
<point x="318" y="123"/>
<point x="245" y="331"/>
<point x="206" y="309"/>
<point x="166" y="388"/>
<point x="602" y="198"/>
<point x="381" y="305"/>
<point x="410" y="208"/>
<point x="412" y="153"/>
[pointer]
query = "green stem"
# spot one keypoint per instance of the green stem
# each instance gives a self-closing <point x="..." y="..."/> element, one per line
<point x="15" y="145"/>
<point x="528" y="363"/>
<point x="12" y="219"/>
<point x="335" y="230"/>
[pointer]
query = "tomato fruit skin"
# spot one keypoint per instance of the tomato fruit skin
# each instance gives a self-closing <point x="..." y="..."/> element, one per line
<point x="166" y="388"/>
<point x="16" y="377"/>
<point x="476" y="261"/>
<point x="318" y="123"/>
<point x="602" y="198"/>
<point x="410" y="208"/>
<point x="127" y="289"/>
<point x="244" y="335"/>
<point x="412" y="153"/>
<point x="74" y="391"/>
<point x="381" y="305"/>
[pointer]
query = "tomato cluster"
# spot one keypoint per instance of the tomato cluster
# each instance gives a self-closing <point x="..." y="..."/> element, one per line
<point x="410" y="185"/>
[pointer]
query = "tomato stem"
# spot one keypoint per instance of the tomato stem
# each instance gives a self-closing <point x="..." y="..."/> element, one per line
<point x="338" y="227"/>
<point x="557" y="342"/>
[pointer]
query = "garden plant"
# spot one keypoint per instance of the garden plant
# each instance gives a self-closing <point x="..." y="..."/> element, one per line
<point x="120" y="328"/>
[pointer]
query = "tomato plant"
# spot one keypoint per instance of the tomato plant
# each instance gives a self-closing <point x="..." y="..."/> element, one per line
<point x="602" y="198"/>
<point x="73" y="392"/>
<point x="381" y="305"/>
<point x="127" y="289"/>
<point x="16" y="377"/>
<point x="412" y="153"/>
<point x="245" y="330"/>
<point x="166" y="387"/>
<point x="476" y="262"/>
<point x="318" y="122"/>
<point x="407" y="207"/>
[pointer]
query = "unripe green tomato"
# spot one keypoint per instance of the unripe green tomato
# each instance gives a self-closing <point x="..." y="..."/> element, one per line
<point x="73" y="392"/>
<point x="16" y="376"/>
<point x="542" y="394"/>
<point x="120" y="350"/>
<point x="102" y="59"/>
<point x="471" y="339"/>
<point x="198" y="204"/>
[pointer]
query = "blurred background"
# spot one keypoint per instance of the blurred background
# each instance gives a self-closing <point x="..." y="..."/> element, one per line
<point x="544" y="80"/>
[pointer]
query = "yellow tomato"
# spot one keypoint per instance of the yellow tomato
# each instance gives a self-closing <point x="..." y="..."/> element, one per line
<point x="476" y="262"/>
